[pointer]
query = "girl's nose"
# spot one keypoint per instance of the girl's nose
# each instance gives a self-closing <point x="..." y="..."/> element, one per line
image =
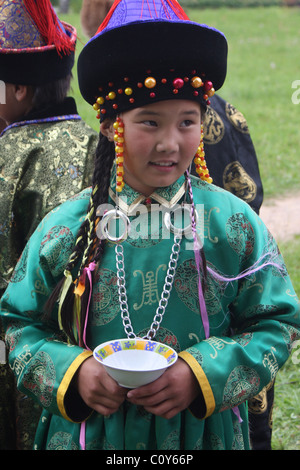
<point x="167" y="144"/>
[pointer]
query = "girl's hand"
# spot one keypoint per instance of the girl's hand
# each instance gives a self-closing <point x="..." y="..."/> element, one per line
<point x="97" y="389"/>
<point x="170" y="394"/>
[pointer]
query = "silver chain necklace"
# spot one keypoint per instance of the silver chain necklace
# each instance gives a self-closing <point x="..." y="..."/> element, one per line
<point x="164" y="299"/>
<point x="121" y="282"/>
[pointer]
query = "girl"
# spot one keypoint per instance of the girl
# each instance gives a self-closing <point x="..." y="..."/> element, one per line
<point x="217" y="292"/>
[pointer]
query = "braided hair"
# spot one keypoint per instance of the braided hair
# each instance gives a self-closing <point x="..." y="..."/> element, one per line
<point x="72" y="294"/>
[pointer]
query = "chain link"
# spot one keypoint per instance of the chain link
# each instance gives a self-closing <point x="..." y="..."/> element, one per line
<point x="165" y="295"/>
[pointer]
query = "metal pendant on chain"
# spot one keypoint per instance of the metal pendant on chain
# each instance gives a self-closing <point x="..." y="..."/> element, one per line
<point x="117" y="215"/>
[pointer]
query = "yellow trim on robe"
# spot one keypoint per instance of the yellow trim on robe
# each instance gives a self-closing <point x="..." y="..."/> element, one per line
<point x="203" y="382"/>
<point x="65" y="383"/>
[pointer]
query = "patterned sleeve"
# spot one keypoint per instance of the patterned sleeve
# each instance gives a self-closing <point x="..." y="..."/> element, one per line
<point x="44" y="164"/>
<point x="265" y="321"/>
<point x="39" y="355"/>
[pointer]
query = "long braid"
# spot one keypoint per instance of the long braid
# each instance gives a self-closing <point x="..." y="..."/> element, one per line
<point x="85" y="248"/>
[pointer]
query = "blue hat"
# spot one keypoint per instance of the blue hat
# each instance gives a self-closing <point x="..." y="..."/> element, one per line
<point x="148" y="51"/>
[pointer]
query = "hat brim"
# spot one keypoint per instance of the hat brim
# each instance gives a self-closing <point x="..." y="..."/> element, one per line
<point x="143" y="45"/>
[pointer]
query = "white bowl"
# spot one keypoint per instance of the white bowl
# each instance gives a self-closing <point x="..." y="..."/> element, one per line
<point x="135" y="362"/>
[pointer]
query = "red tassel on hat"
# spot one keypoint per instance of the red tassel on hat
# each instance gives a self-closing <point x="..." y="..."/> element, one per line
<point x="49" y="26"/>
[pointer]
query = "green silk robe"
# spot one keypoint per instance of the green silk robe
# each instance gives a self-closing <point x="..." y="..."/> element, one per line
<point x="253" y="321"/>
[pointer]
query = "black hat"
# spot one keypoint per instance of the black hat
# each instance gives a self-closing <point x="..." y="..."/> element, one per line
<point x="150" y="51"/>
<point x="35" y="46"/>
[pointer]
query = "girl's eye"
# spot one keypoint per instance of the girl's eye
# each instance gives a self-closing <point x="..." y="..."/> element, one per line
<point x="150" y="123"/>
<point x="187" y="123"/>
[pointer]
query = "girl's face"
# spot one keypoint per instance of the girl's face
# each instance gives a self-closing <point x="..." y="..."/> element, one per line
<point x="161" y="140"/>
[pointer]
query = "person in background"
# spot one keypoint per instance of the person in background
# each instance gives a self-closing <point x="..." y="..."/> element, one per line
<point x="92" y="14"/>
<point x="46" y="156"/>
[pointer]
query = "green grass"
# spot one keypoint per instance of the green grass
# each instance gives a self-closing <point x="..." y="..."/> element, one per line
<point x="263" y="63"/>
<point x="286" y="425"/>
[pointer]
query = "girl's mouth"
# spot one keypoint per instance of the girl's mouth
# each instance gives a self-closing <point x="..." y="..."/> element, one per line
<point x="163" y="164"/>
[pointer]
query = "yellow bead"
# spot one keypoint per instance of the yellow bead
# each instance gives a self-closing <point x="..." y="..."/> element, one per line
<point x="196" y="82"/>
<point x="119" y="178"/>
<point x="211" y="92"/>
<point x="115" y="125"/>
<point x="150" y="82"/>
<point x="128" y="91"/>
<point x="197" y="161"/>
<point x="100" y="100"/>
<point x="120" y="130"/>
<point x="111" y="95"/>
<point x="119" y="189"/>
<point x="119" y="149"/>
<point x="119" y="160"/>
<point x="96" y="106"/>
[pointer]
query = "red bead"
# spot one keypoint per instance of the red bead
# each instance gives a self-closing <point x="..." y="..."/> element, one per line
<point x="178" y="83"/>
<point x="207" y="85"/>
<point x="152" y="95"/>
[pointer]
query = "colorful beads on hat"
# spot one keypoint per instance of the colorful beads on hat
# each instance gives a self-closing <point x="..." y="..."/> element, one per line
<point x="209" y="91"/>
<point x="200" y="162"/>
<point x="97" y="106"/>
<point x="155" y="88"/>
<point x="119" y="149"/>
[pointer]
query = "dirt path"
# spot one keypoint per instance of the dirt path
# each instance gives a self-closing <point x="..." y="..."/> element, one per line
<point x="282" y="216"/>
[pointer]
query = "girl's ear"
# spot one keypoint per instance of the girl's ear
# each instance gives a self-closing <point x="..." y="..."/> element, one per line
<point x="23" y="92"/>
<point x="107" y="129"/>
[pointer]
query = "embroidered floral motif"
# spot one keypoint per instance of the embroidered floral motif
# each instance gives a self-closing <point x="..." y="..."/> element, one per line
<point x="40" y="378"/>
